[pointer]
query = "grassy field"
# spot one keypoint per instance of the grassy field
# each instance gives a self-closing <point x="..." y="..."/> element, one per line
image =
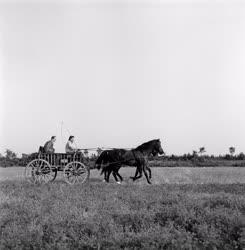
<point x="202" y="208"/>
<point x="173" y="175"/>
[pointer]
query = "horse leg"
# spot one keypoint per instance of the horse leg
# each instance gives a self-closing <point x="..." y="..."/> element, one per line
<point x="138" y="171"/>
<point x="120" y="177"/>
<point x="149" y="170"/>
<point x="146" y="175"/>
<point x="104" y="171"/>
<point x="113" y="170"/>
<point x="105" y="176"/>
<point x="115" y="177"/>
<point x="135" y="175"/>
<point x="108" y="171"/>
<point x="115" y="173"/>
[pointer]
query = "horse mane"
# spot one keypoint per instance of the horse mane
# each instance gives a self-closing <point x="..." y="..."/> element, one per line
<point x="145" y="145"/>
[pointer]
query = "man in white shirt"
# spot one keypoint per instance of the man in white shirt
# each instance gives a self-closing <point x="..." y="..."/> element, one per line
<point x="70" y="145"/>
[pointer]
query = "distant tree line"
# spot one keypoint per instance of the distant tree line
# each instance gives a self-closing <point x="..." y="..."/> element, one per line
<point x="201" y="156"/>
<point x="10" y="158"/>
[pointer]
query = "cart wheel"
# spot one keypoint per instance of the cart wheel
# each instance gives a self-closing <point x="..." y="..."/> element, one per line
<point x="39" y="171"/>
<point x="75" y="172"/>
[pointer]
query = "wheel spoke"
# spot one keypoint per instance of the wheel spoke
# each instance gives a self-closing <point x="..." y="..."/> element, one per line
<point x="32" y="165"/>
<point x="41" y="164"/>
<point x="82" y="171"/>
<point x="71" y="179"/>
<point x="37" y="179"/>
<point x="77" y="180"/>
<point x="29" y="172"/>
<point x="46" y="178"/>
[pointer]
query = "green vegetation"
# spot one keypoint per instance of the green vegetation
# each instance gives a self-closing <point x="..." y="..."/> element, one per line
<point x="196" y="159"/>
<point x="131" y="216"/>
<point x="160" y="175"/>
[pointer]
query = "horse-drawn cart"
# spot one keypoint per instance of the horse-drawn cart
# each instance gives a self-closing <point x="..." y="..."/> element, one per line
<point x="43" y="168"/>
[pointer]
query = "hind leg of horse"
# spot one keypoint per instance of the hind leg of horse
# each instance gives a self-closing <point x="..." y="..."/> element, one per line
<point x="120" y="177"/>
<point x="107" y="175"/>
<point x="115" y="171"/>
<point x="115" y="176"/>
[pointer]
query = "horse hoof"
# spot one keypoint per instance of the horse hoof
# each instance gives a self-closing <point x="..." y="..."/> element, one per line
<point x="104" y="181"/>
<point x="118" y="182"/>
<point x="132" y="178"/>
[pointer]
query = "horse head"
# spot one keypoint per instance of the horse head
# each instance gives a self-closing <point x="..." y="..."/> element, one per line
<point x="157" y="149"/>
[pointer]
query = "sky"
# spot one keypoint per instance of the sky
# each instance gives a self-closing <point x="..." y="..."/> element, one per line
<point x="120" y="73"/>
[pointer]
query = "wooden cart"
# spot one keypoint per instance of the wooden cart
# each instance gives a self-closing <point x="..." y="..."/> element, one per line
<point x="43" y="168"/>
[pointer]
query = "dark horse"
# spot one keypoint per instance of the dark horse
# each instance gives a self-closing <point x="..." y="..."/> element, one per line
<point x="112" y="160"/>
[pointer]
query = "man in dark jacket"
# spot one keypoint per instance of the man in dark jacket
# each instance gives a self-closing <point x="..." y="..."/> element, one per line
<point x="49" y="145"/>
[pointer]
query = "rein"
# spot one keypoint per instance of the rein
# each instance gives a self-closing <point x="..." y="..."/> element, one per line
<point x="103" y="148"/>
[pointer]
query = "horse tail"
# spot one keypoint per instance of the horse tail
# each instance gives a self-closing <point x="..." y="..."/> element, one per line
<point x="101" y="159"/>
<point x="102" y="171"/>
